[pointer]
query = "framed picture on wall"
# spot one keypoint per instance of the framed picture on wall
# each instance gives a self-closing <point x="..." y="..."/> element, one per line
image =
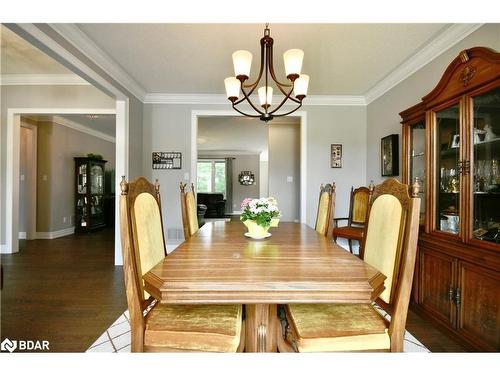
<point x="389" y="155"/>
<point x="167" y="160"/>
<point x="336" y="156"/>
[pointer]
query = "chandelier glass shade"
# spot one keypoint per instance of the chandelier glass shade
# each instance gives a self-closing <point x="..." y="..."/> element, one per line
<point x="239" y="90"/>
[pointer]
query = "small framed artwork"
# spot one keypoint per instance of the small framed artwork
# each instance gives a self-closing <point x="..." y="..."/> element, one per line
<point x="336" y="155"/>
<point x="389" y="156"/>
<point x="455" y="141"/>
<point x="167" y="160"/>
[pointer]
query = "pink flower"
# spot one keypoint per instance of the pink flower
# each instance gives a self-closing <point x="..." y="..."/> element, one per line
<point x="245" y="203"/>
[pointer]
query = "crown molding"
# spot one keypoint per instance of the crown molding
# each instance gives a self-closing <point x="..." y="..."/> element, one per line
<point x="440" y="44"/>
<point x="41" y="79"/>
<point x="80" y="40"/>
<point x="221" y="99"/>
<point x="82" y="128"/>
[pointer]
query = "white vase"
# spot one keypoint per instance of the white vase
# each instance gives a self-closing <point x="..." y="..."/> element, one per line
<point x="275" y="222"/>
<point x="255" y="230"/>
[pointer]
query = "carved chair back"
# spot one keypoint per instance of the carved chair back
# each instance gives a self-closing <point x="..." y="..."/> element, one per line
<point x="189" y="209"/>
<point x="360" y="199"/>
<point x="326" y="208"/>
<point x="143" y="246"/>
<point x="390" y="245"/>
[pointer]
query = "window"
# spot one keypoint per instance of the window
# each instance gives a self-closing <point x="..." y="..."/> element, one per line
<point x="211" y="176"/>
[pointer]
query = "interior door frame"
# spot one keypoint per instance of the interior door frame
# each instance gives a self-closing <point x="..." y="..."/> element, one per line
<point x="13" y="160"/>
<point x="196" y="114"/>
<point x="31" y="181"/>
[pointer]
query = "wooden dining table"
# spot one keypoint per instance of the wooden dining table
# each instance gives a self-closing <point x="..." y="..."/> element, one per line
<point x="219" y="265"/>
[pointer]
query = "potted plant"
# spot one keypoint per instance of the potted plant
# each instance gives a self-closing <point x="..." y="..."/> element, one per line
<point x="259" y="215"/>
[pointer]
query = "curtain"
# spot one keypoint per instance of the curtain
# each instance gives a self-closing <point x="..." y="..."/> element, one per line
<point x="229" y="185"/>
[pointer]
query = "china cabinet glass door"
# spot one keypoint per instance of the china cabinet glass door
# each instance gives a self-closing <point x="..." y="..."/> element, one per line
<point x="81" y="204"/>
<point x="486" y="166"/>
<point x="417" y="162"/>
<point x="97" y="191"/>
<point x="448" y="170"/>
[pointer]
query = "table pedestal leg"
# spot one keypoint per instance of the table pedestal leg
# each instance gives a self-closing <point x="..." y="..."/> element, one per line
<point x="261" y="328"/>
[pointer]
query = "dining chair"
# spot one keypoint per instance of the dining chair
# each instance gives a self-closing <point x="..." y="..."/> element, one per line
<point x="159" y="327"/>
<point x="189" y="210"/>
<point x="390" y="246"/>
<point x="358" y="208"/>
<point x="326" y="207"/>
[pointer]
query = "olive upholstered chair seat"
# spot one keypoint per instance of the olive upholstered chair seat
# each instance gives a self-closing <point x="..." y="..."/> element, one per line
<point x="206" y="328"/>
<point x="337" y="327"/>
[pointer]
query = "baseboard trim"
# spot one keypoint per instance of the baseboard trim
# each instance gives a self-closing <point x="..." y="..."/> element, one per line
<point x="55" y="234"/>
<point x="22" y="235"/>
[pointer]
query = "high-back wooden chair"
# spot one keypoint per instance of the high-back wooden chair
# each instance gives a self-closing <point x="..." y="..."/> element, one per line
<point x="358" y="209"/>
<point x="165" y="327"/>
<point x="326" y="208"/>
<point x="390" y="246"/>
<point x="189" y="210"/>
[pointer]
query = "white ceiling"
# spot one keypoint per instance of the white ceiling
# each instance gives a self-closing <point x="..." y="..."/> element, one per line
<point x="103" y="123"/>
<point x="342" y="59"/>
<point x="20" y="57"/>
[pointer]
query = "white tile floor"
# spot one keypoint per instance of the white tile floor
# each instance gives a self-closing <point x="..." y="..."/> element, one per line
<point x="116" y="339"/>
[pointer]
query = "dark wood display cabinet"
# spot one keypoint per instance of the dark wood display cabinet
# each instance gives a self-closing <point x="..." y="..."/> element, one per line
<point x="89" y="194"/>
<point x="451" y="143"/>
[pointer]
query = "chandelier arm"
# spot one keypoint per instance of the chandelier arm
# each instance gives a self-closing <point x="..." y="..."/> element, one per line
<point x="245" y="96"/>
<point x="253" y="85"/>
<point x="287" y="96"/>
<point x="273" y="75"/>
<point x="287" y="113"/>
<point x="243" y="113"/>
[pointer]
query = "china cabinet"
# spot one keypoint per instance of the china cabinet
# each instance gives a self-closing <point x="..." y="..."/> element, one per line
<point x="89" y="194"/>
<point x="451" y="144"/>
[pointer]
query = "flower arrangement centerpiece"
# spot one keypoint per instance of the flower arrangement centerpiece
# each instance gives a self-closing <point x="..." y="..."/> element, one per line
<point x="259" y="215"/>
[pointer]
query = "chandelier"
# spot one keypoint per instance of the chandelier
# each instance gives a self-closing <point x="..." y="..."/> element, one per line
<point x="294" y="90"/>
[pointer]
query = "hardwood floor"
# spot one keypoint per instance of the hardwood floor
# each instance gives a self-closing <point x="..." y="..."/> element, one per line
<point x="65" y="290"/>
<point x="68" y="291"/>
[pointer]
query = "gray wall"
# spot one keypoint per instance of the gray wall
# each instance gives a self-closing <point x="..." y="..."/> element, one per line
<point x="167" y="127"/>
<point x="46" y="97"/>
<point x="240" y="192"/>
<point x="57" y="146"/>
<point x="284" y="162"/>
<point x="383" y="114"/>
<point x="135" y="134"/>
<point x="335" y="124"/>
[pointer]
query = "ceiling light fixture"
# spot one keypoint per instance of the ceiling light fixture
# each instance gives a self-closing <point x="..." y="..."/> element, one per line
<point x="297" y="85"/>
